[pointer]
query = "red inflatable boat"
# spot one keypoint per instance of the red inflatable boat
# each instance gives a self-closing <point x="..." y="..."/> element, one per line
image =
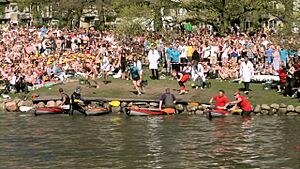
<point x="149" y="112"/>
<point x="49" y="110"/>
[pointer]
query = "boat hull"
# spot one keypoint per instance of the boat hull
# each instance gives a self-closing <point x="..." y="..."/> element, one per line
<point x="218" y="113"/>
<point x="147" y="112"/>
<point x="48" y="110"/>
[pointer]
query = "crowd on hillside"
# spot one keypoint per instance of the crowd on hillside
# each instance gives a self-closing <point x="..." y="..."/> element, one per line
<point x="31" y="56"/>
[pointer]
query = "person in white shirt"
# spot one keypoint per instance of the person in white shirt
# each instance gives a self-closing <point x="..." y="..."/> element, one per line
<point x="153" y="57"/>
<point x="246" y="73"/>
<point x="197" y="72"/>
<point x="214" y="51"/>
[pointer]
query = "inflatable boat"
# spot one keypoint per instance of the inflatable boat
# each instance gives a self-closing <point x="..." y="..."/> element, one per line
<point x="48" y="110"/>
<point x="149" y="112"/>
<point x="218" y="113"/>
<point x="97" y="111"/>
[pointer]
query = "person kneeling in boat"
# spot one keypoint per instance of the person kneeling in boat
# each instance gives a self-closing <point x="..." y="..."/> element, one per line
<point x="221" y="100"/>
<point x="167" y="100"/>
<point x="65" y="101"/>
<point x="241" y="102"/>
<point x="182" y="78"/>
<point x="76" y="102"/>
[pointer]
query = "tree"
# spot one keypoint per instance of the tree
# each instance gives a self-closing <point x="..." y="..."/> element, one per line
<point x="222" y="13"/>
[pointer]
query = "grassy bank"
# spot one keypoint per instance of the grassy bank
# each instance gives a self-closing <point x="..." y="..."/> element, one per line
<point x="124" y="89"/>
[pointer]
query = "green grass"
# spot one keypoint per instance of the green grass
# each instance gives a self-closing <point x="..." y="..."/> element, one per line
<point x="122" y="89"/>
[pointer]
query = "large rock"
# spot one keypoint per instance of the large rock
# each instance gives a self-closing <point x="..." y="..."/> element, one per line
<point x="11" y="106"/>
<point x="265" y="107"/>
<point x="40" y="105"/>
<point x="282" y="105"/>
<point x="51" y="103"/>
<point x="275" y="106"/>
<point x="179" y="107"/>
<point x="17" y="100"/>
<point x="199" y="112"/>
<point x="273" y="111"/>
<point x="28" y="103"/>
<point x="21" y="103"/>
<point x="290" y="108"/>
<point x="116" y="109"/>
<point x="281" y="111"/>
<point x="124" y="104"/>
<point x="191" y="108"/>
<point x="130" y="104"/>
<point x="265" y="112"/>
<point x="257" y="109"/>
<point x="292" y="114"/>
<point x="297" y="109"/>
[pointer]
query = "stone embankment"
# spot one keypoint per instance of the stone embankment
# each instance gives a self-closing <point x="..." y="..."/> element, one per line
<point x="189" y="109"/>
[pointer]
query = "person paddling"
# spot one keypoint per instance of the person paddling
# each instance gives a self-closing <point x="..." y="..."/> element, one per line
<point x="221" y="100"/>
<point x="65" y="100"/>
<point x="241" y="102"/>
<point x="77" y="100"/>
<point x="167" y="100"/>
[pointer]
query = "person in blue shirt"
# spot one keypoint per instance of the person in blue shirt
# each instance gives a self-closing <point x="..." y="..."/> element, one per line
<point x="169" y="51"/>
<point x="269" y="55"/>
<point x="175" y="59"/>
<point x="284" y="55"/>
<point x="136" y="76"/>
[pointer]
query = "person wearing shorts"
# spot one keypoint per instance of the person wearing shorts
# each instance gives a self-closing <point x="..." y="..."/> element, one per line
<point x="136" y="77"/>
<point x="181" y="78"/>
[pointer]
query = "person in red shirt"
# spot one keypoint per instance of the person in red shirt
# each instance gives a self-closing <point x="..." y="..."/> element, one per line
<point x="282" y="76"/>
<point x="221" y="100"/>
<point x="241" y="102"/>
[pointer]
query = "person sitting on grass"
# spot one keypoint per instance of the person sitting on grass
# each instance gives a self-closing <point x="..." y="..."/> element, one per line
<point x="241" y="102"/>
<point x="181" y="78"/>
<point x="167" y="100"/>
<point x="136" y="76"/>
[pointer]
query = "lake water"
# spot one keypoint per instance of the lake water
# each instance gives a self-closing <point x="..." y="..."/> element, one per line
<point x="117" y="141"/>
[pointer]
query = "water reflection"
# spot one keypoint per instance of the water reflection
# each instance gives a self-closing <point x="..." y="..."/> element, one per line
<point x="148" y="142"/>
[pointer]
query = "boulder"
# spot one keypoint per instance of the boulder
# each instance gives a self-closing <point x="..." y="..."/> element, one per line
<point x="154" y="104"/>
<point x="28" y="103"/>
<point x="40" y="105"/>
<point x="116" y="109"/>
<point x="179" y="107"/>
<point x="11" y="106"/>
<point x="21" y="103"/>
<point x="275" y="106"/>
<point x="292" y="114"/>
<point x="290" y="108"/>
<point x="257" y="109"/>
<point x="17" y="100"/>
<point x="282" y="105"/>
<point x="265" y="107"/>
<point x="107" y="105"/>
<point x="297" y="109"/>
<point x="258" y="114"/>
<point x="273" y="111"/>
<point x="199" y="112"/>
<point x="130" y="104"/>
<point x="59" y="103"/>
<point x="200" y="108"/>
<point x="124" y="104"/>
<point x="265" y="112"/>
<point x="51" y="103"/>
<point x="281" y="111"/>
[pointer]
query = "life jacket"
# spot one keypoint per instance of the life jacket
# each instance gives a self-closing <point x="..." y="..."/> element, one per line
<point x="75" y="98"/>
<point x="67" y="98"/>
<point x="169" y="101"/>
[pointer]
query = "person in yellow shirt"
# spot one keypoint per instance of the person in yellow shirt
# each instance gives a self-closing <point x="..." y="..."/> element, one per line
<point x="190" y="52"/>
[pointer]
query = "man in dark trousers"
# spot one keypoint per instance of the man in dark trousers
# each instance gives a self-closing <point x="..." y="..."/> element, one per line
<point x="65" y="100"/>
<point x="76" y="101"/>
<point x="167" y="100"/>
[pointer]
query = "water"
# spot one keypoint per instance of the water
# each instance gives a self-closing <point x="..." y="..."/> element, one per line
<point x="60" y="141"/>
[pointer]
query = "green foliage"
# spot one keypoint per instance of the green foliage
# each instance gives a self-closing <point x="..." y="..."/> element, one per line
<point x="129" y="27"/>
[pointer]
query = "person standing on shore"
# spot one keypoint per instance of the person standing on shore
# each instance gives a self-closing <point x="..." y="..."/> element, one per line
<point x="246" y="73"/>
<point x="153" y="57"/>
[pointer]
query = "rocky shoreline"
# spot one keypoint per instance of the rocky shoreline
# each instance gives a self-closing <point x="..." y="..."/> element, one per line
<point x="281" y="109"/>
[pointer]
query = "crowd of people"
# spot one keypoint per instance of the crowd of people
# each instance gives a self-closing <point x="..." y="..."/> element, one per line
<point x="32" y="56"/>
